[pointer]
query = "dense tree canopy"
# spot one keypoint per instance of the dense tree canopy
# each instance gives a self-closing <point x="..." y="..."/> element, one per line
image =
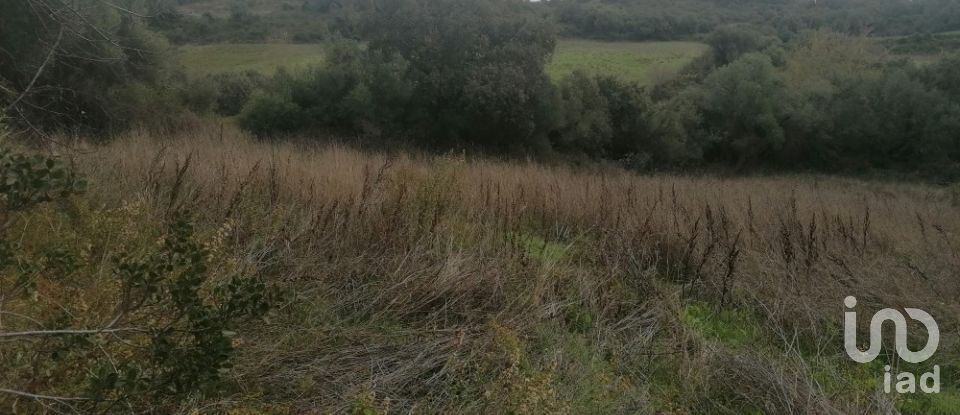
<point x="671" y="19"/>
<point x="446" y="72"/>
<point x="478" y="67"/>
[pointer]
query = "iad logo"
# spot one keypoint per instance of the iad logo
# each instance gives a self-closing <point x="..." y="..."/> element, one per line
<point x="906" y="381"/>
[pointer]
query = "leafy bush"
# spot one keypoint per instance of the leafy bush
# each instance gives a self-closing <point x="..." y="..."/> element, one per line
<point x="895" y="122"/>
<point x="144" y="326"/>
<point x="603" y="116"/>
<point x="483" y="84"/>
<point x="271" y="114"/>
<point x="235" y="89"/>
<point x="945" y="76"/>
<point x="26" y="181"/>
<point x="359" y="91"/>
<point x="222" y="93"/>
<point x="477" y="67"/>
<point x="730" y="42"/>
<point x="744" y="101"/>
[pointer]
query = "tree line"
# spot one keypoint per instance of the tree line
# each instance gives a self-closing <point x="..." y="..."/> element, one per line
<point x="450" y="74"/>
<point x="458" y="74"/>
<point x="316" y="20"/>
<point x="673" y="19"/>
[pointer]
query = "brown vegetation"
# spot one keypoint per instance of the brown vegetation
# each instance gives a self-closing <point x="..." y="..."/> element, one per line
<point x="440" y="284"/>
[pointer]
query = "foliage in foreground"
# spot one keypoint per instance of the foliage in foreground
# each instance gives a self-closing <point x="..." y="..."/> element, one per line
<point x="95" y="316"/>
<point x="445" y="285"/>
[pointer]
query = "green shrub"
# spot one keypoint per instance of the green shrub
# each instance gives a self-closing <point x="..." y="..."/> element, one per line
<point x="945" y="76"/>
<point x="477" y="68"/>
<point x="235" y="89"/>
<point x="199" y="95"/>
<point x="271" y="114"/>
<point x="602" y="116"/>
<point x="357" y="92"/>
<point x="139" y="328"/>
<point x="223" y="93"/>
<point x="728" y="43"/>
<point x="26" y="181"/>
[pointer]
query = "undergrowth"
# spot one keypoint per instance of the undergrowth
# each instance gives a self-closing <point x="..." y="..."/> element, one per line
<point x="440" y="285"/>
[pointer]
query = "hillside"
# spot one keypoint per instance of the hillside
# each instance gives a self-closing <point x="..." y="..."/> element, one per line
<point x="443" y="284"/>
<point x="480" y="207"/>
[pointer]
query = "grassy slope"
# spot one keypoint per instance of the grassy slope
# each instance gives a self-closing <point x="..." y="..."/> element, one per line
<point x="644" y="62"/>
<point x="438" y="284"/>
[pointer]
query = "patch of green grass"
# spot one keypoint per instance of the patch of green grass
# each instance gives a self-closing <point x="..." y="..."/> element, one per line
<point x="265" y="58"/>
<point x="839" y="376"/>
<point x="643" y="62"/>
<point x="947" y="402"/>
<point x="537" y="247"/>
<point x="733" y="328"/>
<point x="588" y="380"/>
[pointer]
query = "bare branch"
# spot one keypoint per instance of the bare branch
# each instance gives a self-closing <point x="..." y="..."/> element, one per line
<point x="36" y="333"/>
<point x="38" y="396"/>
<point x="125" y="10"/>
<point x="7" y="90"/>
<point x="43" y="66"/>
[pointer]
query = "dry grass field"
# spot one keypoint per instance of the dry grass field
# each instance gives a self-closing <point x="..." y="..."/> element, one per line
<point x="437" y="284"/>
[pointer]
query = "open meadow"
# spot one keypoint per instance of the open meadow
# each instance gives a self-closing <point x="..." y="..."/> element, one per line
<point x="266" y="58"/>
<point x="643" y="62"/>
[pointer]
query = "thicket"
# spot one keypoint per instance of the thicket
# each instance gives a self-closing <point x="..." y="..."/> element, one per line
<point x="821" y="101"/>
<point x="82" y="66"/>
<point x="445" y="73"/>
<point x="222" y="94"/>
<point x="102" y="313"/>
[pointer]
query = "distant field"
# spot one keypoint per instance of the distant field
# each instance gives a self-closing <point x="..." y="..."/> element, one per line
<point x="644" y="62"/>
<point x="265" y="58"/>
<point x="922" y="49"/>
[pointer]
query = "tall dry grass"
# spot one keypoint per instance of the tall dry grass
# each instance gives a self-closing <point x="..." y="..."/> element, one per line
<point x="441" y="284"/>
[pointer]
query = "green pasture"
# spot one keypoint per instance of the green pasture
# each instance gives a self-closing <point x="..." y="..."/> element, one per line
<point x="644" y="62"/>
